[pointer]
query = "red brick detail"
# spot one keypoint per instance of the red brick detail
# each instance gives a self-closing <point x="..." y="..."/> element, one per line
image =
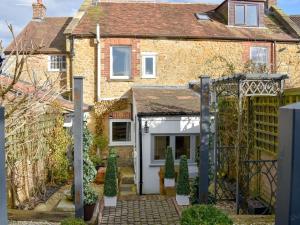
<point x="248" y="45"/>
<point x="120" y="115"/>
<point x="135" y="54"/>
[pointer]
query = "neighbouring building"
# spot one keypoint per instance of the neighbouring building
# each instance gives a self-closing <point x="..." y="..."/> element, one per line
<point x="140" y="59"/>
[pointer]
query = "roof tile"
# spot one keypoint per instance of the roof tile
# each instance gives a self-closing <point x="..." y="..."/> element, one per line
<point x="169" y="20"/>
<point x="45" y="35"/>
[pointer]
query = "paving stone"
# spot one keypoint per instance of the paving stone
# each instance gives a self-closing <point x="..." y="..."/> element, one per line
<point x="148" y="210"/>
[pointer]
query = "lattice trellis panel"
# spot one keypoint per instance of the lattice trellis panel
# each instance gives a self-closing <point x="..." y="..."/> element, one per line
<point x="265" y="110"/>
<point x="260" y="87"/>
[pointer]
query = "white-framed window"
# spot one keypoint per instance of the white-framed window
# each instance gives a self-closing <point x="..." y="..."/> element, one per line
<point x="120" y="133"/>
<point x="148" y="64"/>
<point x="120" y="62"/>
<point x="182" y="144"/>
<point x="57" y="63"/>
<point x="246" y="15"/>
<point x="259" y="55"/>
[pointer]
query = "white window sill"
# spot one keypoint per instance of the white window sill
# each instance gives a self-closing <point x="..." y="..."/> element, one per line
<point x="176" y="164"/>
<point x="117" y="144"/>
<point x="148" y="77"/>
<point x="57" y="70"/>
<point x="120" y="77"/>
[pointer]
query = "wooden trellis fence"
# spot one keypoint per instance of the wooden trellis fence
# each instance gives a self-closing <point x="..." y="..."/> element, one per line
<point x="265" y="113"/>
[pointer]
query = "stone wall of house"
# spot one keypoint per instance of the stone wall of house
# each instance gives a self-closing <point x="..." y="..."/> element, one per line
<point x="178" y="62"/>
<point x="36" y="67"/>
<point x="84" y="64"/>
<point x="288" y="61"/>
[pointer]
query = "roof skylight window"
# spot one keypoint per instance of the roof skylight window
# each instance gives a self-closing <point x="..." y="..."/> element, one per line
<point x="202" y="16"/>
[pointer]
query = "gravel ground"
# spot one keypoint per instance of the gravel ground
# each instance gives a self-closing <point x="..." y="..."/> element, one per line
<point x="31" y="223"/>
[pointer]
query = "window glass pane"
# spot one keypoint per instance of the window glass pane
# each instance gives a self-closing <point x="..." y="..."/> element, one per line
<point x="121" y="131"/>
<point x="259" y="55"/>
<point x="121" y="61"/>
<point x="57" y="62"/>
<point x="252" y="15"/>
<point x="160" y="145"/>
<point x="239" y="14"/>
<point x="182" y="146"/>
<point x="149" y="65"/>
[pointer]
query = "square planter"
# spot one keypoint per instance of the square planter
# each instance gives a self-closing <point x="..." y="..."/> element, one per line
<point x="183" y="199"/>
<point x="169" y="182"/>
<point x="110" y="201"/>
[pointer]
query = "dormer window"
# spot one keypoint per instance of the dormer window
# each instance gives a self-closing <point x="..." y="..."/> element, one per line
<point x="246" y="15"/>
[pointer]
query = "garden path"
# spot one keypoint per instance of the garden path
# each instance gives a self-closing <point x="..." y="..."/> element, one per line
<point x="141" y="210"/>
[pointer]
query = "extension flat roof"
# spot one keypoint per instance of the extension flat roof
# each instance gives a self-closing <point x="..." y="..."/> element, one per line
<point x="166" y="101"/>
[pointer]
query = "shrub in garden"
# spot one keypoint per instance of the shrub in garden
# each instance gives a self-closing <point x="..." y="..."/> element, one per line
<point x="169" y="165"/>
<point x="183" y="186"/>
<point x="58" y="141"/>
<point x="204" y="215"/>
<point x="89" y="171"/>
<point x="110" y="183"/>
<point x="72" y="221"/>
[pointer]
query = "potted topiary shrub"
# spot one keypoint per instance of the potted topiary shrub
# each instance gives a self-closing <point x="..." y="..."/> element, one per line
<point x="110" y="183"/>
<point x="90" y="200"/>
<point x="169" y="180"/>
<point x="183" y="186"/>
<point x="89" y="174"/>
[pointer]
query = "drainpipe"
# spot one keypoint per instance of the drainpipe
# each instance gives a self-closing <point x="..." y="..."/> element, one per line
<point x="72" y="54"/>
<point x="98" y="62"/>
<point x="141" y="154"/>
<point x="274" y="57"/>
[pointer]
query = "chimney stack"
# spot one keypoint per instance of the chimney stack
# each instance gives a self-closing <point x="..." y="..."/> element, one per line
<point x="39" y="10"/>
<point x="271" y="3"/>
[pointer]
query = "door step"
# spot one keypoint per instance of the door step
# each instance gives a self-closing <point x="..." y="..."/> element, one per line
<point x="127" y="189"/>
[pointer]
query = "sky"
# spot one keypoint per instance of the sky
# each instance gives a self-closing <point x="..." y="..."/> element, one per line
<point x="19" y="12"/>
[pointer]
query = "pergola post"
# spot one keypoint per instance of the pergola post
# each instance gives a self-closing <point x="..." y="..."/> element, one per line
<point x="78" y="146"/>
<point x="204" y="137"/>
<point x="3" y="191"/>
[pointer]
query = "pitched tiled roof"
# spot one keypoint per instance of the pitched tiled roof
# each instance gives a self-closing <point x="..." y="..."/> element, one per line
<point x="46" y="34"/>
<point x="296" y="19"/>
<point x="169" y="20"/>
<point x="159" y="101"/>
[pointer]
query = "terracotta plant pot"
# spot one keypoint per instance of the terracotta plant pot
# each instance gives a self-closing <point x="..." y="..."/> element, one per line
<point x="169" y="182"/>
<point x="110" y="201"/>
<point x="183" y="199"/>
<point x="100" y="175"/>
<point x="88" y="212"/>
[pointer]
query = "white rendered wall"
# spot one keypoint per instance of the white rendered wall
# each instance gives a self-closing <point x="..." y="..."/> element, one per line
<point x="162" y="125"/>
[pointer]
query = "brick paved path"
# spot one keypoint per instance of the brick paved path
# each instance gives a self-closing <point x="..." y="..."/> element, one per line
<point x="142" y="210"/>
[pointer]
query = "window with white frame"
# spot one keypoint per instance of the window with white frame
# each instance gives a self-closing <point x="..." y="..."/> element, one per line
<point x="148" y="65"/>
<point x="259" y="55"/>
<point x="246" y="15"/>
<point x="181" y="145"/>
<point x="120" y="132"/>
<point x="120" y="62"/>
<point x="57" y="63"/>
